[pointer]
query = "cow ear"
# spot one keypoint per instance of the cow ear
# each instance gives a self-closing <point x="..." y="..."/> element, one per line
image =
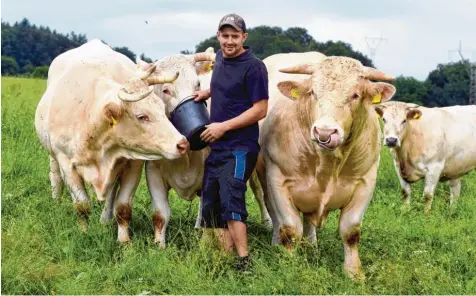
<point x="113" y="113"/>
<point x="292" y="89"/>
<point x="141" y="65"/>
<point x="413" y="114"/>
<point x="379" y="110"/>
<point x="382" y="92"/>
<point x="204" y="67"/>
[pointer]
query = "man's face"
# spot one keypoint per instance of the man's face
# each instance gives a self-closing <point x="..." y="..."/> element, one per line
<point x="231" y="41"/>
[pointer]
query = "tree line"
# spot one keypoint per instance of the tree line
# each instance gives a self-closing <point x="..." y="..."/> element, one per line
<point x="28" y="50"/>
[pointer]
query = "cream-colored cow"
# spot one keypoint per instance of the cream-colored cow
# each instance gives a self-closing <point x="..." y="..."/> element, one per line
<point x="435" y="144"/>
<point x="320" y="146"/>
<point x="99" y="120"/>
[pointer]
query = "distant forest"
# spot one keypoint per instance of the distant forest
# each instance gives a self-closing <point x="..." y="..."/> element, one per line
<point x="28" y="50"/>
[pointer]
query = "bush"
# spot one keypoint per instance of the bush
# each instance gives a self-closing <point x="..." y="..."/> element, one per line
<point x="9" y="66"/>
<point x="41" y="72"/>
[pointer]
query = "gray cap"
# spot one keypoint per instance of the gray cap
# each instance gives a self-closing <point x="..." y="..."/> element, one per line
<point x="233" y="20"/>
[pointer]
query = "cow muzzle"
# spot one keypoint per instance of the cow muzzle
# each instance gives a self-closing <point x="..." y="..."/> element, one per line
<point x="391" y="142"/>
<point x="327" y="138"/>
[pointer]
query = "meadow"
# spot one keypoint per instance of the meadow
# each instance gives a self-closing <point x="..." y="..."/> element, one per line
<point x="43" y="251"/>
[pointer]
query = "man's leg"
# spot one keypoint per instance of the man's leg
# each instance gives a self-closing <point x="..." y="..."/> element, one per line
<point x="236" y="172"/>
<point x="211" y="222"/>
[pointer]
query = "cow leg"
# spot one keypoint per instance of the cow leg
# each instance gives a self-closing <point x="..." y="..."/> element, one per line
<point x="406" y="188"/>
<point x="107" y="212"/>
<point x="455" y="190"/>
<point x="199" y="214"/>
<point x="123" y="202"/>
<point x="78" y="193"/>
<point x="259" y="196"/>
<point x="309" y="231"/>
<point x="55" y="178"/>
<point x="287" y="223"/>
<point x="431" y="180"/>
<point x="160" y="202"/>
<point x="350" y="222"/>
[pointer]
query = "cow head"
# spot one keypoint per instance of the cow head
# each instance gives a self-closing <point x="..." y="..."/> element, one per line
<point x="138" y="121"/>
<point x="191" y="67"/>
<point x="396" y="116"/>
<point x="342" y="91"/>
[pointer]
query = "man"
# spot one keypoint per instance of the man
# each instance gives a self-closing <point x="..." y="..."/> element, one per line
<point x="239" y="92"/>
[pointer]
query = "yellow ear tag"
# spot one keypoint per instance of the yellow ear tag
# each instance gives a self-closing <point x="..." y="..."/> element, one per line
<point x="208" y="68"/>
<point x="378" y="115"/>
<point x="377" y="98"/>
<point x="416" y="115"/>
<point x="295" y="93"/>
<point x="114" y="121"/>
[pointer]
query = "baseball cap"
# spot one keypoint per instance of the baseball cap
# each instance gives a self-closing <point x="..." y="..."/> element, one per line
<point x="233" y="20"/>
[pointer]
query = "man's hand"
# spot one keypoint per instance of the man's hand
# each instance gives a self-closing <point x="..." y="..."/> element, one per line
<point x="213" y="132"/>
<point x="201" y="95"/>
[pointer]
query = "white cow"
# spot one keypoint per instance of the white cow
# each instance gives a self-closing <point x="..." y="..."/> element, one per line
<point x="435" y="144"/>
<point x="99" y="120"/>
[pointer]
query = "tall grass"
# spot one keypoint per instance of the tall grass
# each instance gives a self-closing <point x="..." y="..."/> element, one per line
<point x="45" y="252"/>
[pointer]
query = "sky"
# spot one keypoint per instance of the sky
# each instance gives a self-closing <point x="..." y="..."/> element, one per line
<point x="410" y="37"/>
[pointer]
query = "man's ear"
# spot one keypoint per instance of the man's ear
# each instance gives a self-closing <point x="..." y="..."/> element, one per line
<point x="113" y="113"/>
<point x="379" y="110"/>
<point x="292" y="89"/>
<point x="413" y="113"/>
<point x="382" y="92"/>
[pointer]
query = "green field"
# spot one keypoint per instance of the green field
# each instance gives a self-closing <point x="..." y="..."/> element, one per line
<point x="44" y="251"/>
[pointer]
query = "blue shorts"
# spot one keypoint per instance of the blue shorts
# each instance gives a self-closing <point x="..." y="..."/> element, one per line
<point x="224" y="186"/>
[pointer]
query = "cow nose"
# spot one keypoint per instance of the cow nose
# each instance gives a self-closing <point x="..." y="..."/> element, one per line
<point x="327" y="137"/>
<point x="391" y="141"/>
<point x="183" y="146"/>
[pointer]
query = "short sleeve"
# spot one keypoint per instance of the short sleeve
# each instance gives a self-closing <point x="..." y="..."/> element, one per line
<point x="257" y="82"/>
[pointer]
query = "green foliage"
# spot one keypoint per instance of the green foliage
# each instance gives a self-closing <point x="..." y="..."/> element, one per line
<point x="145" y="59"/>
<point x="448" y="85"/>
<point x="41" y="72"/>
<point x="410" y="90"/>
<point x="127" y="52"/>
<point x="266" y="41"/>
<point x="9" y="66"/>
<point x="44" y="252"/>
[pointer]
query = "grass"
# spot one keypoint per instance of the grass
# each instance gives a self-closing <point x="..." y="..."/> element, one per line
<point x="44" y="252"/>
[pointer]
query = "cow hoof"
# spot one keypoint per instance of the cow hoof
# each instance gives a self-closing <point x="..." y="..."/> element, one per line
<point x="267" y="223"/>
<point x="160" y="244"/>
<point x="106" y="218"/>
<point x="356" y="275"/>
<point x="83" y="225"/>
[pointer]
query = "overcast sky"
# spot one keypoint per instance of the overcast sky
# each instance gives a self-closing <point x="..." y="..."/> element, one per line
<point x="419" y="34"/>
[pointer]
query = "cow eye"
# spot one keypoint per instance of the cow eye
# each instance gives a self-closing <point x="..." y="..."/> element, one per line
<point x="142" y="117"/>
<point x="403" y="122"/>
<point x="166" y="91"/>
<point x="198" y="86"/>
<point x="355" y="96"/>
<point x="384" y="121"/>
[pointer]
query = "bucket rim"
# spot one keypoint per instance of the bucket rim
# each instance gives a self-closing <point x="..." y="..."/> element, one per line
<point x="184" y="100"/>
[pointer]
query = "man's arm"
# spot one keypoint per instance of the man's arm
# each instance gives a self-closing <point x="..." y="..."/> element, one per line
<point x="216" y="130"/>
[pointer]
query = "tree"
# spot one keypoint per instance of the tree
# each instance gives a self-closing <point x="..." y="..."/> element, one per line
<point x="447" y="85"/>
<point x="127" y="52"/>
<point x="186" y="51"/>
<point x="9" y="66"/>
<point x="410" y="90"/>
<point x="145" y="59"/>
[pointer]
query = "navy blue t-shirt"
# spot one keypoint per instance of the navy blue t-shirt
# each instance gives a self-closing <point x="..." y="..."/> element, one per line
<point x="236" y="84"/>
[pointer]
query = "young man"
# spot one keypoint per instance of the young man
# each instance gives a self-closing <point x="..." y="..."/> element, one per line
<point x="239" y="92"/>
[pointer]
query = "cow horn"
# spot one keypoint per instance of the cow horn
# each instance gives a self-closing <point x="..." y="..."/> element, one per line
<point x="144" y="74"/>
<point x="299" y="69"/>
<point x="162" y="79"/>
<point x="127" y="97"/>
<point x="204" y="57"/>
<point x="374" y="74"/>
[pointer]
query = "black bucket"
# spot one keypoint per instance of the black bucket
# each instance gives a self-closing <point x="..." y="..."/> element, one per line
<point x="190" y="118"/>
